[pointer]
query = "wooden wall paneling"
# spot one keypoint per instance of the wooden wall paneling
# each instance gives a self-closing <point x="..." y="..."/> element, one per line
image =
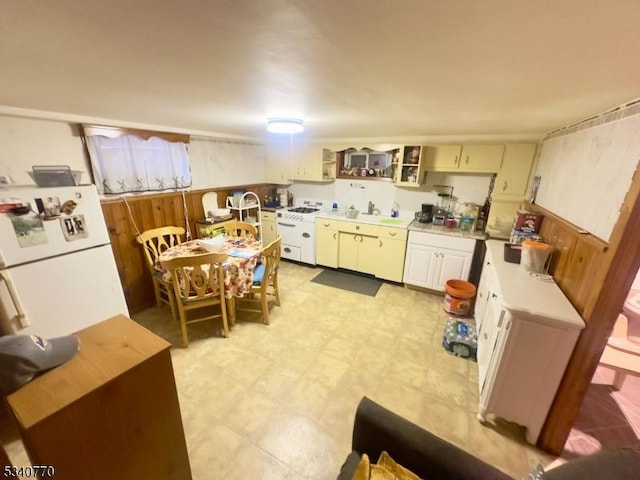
<point x="586" y="260"/>
<point x="610" y="280"/>
<point x="575" y="257"/>
<point x="152" y="211"/>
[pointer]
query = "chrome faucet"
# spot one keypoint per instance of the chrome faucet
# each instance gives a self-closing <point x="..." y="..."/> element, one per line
<point x="371" y="210"/>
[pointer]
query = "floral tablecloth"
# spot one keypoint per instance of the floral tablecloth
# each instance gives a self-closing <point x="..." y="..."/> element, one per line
<point x="244" y="254"/>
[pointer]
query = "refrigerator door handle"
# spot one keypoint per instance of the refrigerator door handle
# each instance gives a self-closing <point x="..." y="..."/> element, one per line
<point x="22" y="317"/>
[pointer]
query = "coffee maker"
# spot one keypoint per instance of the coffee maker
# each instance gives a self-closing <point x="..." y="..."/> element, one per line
<point x="426" y="214"/>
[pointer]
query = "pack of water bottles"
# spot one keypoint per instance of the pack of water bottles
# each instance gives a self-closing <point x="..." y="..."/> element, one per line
<point x="460" y="338"/>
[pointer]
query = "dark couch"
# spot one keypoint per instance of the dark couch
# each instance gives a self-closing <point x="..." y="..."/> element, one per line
<point x="428" y="456"/>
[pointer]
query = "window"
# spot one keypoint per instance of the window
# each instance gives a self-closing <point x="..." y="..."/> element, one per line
<point x="127" y="160"/>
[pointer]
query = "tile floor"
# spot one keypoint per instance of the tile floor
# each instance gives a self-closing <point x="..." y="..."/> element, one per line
<point x="277" y="401"/>
<point x="608" y="418"/>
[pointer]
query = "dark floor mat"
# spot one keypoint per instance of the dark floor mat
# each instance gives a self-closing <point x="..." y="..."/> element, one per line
<point x="348" y="281"/>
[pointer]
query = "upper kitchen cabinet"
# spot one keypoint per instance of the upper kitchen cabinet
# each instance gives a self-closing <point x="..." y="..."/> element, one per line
<point x="313" y="163"/>
<point x="513" y="176"/>
<point x="442" y="158"/>
<point x="372" y="162"/>
<point x="411" y="168"/>
<point x="464" y="158"/>
<point x="279" y="162"/>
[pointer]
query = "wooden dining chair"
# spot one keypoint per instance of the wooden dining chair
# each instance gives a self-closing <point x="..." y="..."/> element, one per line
<point x="198" y="284"/>
<point x="265" y="282"/>
<point x="235" y="228"/>
<point x="154" y="242"/>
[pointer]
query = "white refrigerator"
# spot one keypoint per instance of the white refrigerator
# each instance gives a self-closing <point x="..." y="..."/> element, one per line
<point x="57" y="271"/>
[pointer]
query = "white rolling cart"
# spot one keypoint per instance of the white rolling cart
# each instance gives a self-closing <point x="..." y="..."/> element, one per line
<point x="248" y="208"/>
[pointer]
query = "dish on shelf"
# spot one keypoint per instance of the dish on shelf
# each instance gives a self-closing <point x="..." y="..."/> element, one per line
<point x="217" y="219"/>
<point x="219" y="212"/>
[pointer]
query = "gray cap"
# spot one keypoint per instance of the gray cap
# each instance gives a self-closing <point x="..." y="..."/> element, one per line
<point x="22" y="357"/>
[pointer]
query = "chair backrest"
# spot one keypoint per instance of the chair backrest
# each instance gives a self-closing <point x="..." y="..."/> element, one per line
<point x="157" y="240"/>
<point x="235" y="228"/>
<point x="197" y="277"/>
<point x="271" y="257"/>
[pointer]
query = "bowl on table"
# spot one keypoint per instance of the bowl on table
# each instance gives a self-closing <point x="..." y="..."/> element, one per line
<point x="212" y="244"/>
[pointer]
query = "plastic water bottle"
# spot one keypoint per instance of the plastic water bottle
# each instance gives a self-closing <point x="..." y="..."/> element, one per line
<point x="395" y="210"/>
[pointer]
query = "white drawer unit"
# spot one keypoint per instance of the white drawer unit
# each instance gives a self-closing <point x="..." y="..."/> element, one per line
<point x="526" y="332"/>
<point x="433" y="259"/>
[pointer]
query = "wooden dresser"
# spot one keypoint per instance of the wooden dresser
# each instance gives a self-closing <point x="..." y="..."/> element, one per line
<point x="110" y="412"/>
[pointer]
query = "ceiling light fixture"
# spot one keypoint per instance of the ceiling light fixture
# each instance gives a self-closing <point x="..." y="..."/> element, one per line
<point x="285" y="125"/>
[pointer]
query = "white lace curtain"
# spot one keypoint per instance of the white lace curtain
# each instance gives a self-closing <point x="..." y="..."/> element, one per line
<point x="132" y="164"/>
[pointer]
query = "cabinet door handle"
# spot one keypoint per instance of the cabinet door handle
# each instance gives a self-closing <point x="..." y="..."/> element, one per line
<point x="504" y="185"/>
<point x="361" y="239"/>
<point x="306" y="235"/>
<point x="392" y="234"/>
<point x="456" y="160"/>
<point x="485" y="336"/>
<point x="357" y="227"/>
<point x="380" y="244"/>
<point x="326" y="224"/>
<point x="467" y="160"/>
<point x="335" y="235"/>
<point x="493" y="295"/>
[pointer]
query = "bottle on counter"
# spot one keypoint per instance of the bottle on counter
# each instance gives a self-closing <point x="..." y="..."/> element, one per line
<point x="395" y="210"/>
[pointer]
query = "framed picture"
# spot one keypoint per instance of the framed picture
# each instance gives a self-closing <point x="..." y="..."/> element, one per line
<point x="74" y="227"/>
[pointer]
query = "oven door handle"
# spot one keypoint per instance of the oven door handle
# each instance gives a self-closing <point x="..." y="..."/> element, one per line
<point x="286" y="224"/>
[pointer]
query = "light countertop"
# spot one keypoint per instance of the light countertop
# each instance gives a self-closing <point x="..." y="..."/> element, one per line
<point x="416" y="226"/>
<point x="525" y="294"/>
<point x="381" y="220"/>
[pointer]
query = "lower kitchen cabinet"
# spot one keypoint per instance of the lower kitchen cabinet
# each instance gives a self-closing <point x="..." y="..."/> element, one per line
<point x="358" y="252"/>
<point x="433" y="259"/>
<point x="392" y="246"/>
<point x="361" y="247"/>
<point x="327" y="242"/>
<point x="527" y="330"/>
<point x="269" y="230"/>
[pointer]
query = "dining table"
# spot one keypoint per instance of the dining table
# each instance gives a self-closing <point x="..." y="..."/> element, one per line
<point x="243" y="256"/>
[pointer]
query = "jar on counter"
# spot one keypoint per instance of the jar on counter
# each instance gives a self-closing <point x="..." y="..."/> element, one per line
<point x="466" y="223"/>
<point x="450" y="222"/>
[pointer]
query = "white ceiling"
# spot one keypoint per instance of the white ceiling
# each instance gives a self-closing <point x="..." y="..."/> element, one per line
<point x="350" y="68"/>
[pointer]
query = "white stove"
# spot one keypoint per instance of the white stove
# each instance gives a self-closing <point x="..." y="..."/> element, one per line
<point x="297" y="227"/>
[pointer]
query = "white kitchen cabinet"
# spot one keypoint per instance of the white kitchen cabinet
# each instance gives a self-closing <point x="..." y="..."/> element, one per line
<point x="526" y="332"/>
<point x="513" y="176"/>
<point x="433" y="259"/>
<point x="327" y="242"/>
